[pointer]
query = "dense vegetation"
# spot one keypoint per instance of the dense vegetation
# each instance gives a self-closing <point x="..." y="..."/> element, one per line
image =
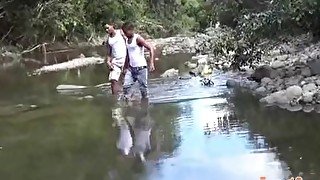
<point x="28" y="22"/>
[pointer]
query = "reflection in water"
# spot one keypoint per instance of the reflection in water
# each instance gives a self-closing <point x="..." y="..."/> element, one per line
<point x="294" y="136"/>
<point x="135" y="126"/>
<point x="124" y="142"/>
<point x="225" y="153"/>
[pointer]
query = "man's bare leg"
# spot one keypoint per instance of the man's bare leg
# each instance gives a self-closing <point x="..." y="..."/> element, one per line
<point x="115" y="87"/>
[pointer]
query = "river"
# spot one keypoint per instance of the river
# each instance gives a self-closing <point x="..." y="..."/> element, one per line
<point x="193" y="131"/>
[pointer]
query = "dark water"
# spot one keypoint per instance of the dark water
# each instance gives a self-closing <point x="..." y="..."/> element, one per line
<point x="188" y="131"/>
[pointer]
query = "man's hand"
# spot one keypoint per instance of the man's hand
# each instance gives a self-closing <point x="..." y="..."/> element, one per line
<point x="151" y="67"/>
<point x="110" y="65"/>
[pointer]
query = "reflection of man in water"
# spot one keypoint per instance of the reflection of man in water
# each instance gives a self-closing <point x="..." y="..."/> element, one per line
<point x="142" y="132"/>
<point x="133" y="121"/>
<point x="124" y="142"/>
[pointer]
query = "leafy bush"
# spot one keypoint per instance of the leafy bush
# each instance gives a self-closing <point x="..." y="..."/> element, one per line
<point x="34" y="21"/>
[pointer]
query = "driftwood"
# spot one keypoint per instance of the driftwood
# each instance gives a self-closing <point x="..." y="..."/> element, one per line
<point x="73" y="64"/>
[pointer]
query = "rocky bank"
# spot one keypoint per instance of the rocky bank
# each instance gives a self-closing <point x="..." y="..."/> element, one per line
<point x="287" y="76"/>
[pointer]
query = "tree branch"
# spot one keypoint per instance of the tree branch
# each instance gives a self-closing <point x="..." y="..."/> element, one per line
<point x="32" y="49"/>
<point x="6" y="35"/>
<point x="2" y="14"/>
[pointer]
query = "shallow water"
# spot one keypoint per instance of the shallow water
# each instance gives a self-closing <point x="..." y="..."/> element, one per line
<point x="194" y="132"/>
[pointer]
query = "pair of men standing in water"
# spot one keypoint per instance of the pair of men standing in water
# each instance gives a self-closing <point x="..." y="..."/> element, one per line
<point x="126" y="56"/>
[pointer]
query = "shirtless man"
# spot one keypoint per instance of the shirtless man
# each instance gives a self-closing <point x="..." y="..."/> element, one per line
<point x="116" y="56"/>
<point x="135" y="68"/>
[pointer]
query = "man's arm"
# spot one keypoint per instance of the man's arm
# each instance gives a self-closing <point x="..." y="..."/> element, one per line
<point x="126" y="62"/>
<point x="142" y="42"/>
<point x="109" y="58"/>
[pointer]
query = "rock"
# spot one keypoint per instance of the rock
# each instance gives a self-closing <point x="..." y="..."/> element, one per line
<point x="314" y="66"/>
<point x="306" y="72"/>
<point x="293" y="81"/>
<point x="302" y="83"/>
<point x="290" y="72"/>
<point x="88" y="97"/>
<point x="317" y="108"/>
<point x="225" y="67"/>
<point x="316" y="97"/>
<point x="315" y="54"/>
<point x="307" y="97"/>
<point x="33" y="106"/>
<point x="70" y="87"/>
<point x="308" y="108"/>
<point x="293" y="92"/>
<point x="232" y="83"/>
<point x="261" y="90"/>
<point x="199" y="57"/>
<point x="197" y="71"/>
<point x="277" y="97"/>
<point x="202" y="61"/>
<point x="82" y="56"/>
<point x="278" y="64"/>
<point x="249" y="85"/>
<point x="170" y="73"/>
<point x="191" y="65"/>
<point x="206" y="70"/>
<point x="19" y="105"/>
<point x="186" y="77"/>
<point x="263" y="71"/>
<point x="309" y="87"/>
<point x="318" y="82"/>
<point x="247" y="69"/>
<point x="275" y="52"/>
<point x="282" y="58"/>
<point x="265" y="81"/>
<point x="295" y="108"/>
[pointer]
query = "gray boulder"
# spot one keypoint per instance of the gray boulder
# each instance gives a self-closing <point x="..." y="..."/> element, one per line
<point x="307" y="97"/>
<point x="263" y="71"/>
<point x="311" y="87"/>
<point x="278" y="64"/>
<point x="231" y="83"/>
<point x="170" y="73"/>
<point x="314" y="66"/>
<point x="306" y="72"/>
<point x="293" y="92"/>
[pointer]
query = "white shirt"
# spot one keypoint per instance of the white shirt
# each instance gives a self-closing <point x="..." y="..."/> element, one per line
<point x="136" y="53"/>
<point x="118" y="48"/>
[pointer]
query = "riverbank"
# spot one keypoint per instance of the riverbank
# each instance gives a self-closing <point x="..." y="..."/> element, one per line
<point x="288" y="74"/>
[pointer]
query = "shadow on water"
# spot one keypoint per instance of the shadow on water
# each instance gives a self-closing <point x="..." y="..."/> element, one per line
<point x="187" y="132"/>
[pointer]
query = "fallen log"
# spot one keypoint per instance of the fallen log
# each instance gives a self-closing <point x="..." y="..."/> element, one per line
<point x="73" y="64"/>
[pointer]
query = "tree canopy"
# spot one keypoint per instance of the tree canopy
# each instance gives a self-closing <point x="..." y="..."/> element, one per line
<point x="28" y="22"/>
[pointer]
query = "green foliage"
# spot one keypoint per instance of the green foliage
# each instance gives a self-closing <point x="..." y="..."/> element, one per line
<point x="29" y="22"/>
<point x="48" y="20"/>
<point x="251" y="25"/>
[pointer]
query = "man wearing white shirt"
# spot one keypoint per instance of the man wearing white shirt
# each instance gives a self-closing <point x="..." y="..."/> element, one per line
<point x="117" y="53"/>
<point x="136" y="67"/>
